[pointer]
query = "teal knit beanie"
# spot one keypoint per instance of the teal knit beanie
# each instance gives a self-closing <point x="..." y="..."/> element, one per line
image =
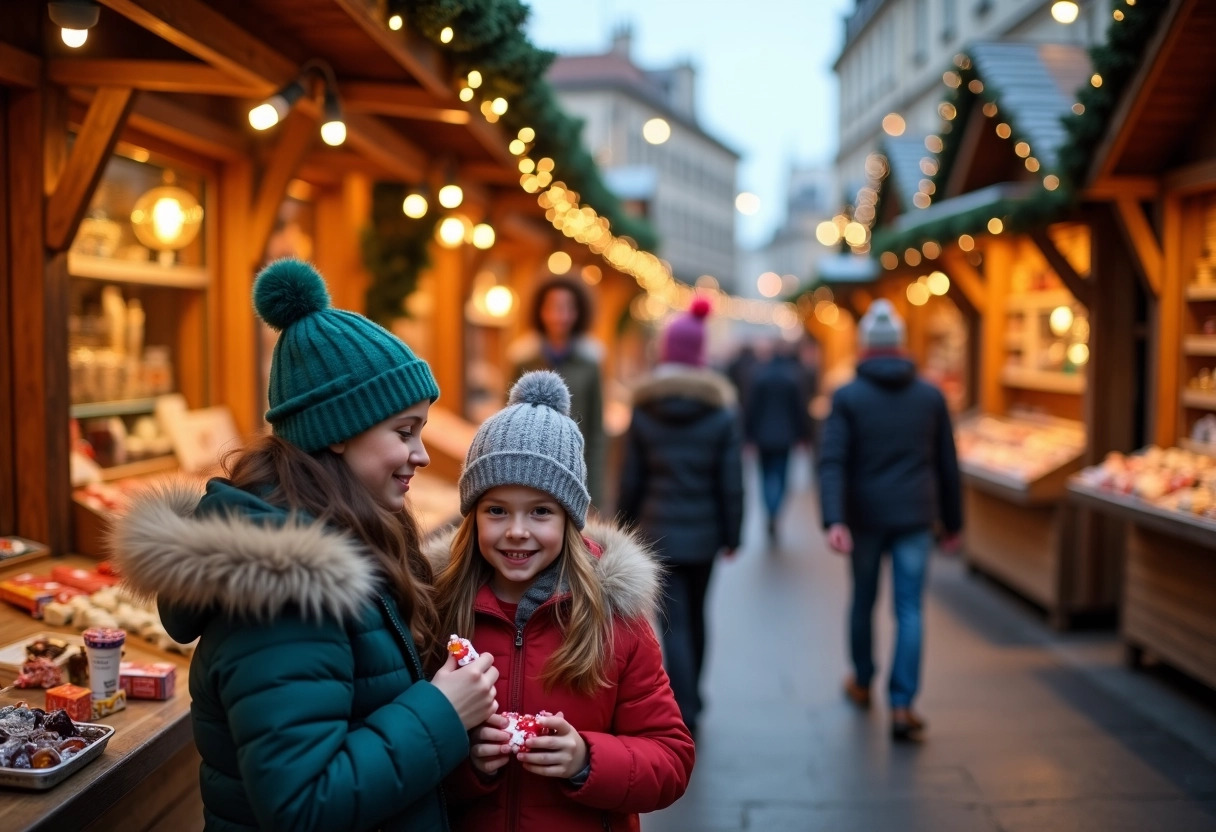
<point x="334" y="373"/>
<point x="533" y="442"/>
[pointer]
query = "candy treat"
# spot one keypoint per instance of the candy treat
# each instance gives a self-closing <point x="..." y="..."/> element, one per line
<point x="462" y="649"/>
<point x="523" y="727"/>
<point x="39" y="672"/>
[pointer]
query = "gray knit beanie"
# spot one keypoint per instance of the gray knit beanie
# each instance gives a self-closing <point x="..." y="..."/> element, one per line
<point x="533" y="442"/>
<point x="881" y="327"/>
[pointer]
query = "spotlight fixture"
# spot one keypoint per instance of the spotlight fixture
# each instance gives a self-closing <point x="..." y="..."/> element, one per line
<point x="333" y="128"/>
<point x="75" y="18"/>
<point x="450" y="196"/>
<point x="414" y="205"/>
<point x="1065" y="11"/>
<point x="274" y="109"/>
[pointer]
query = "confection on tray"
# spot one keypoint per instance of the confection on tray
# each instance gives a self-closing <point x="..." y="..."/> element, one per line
<point x="523" y="727"/>
<point x="1023" y="449"/>
<point x="462" y="649"/>
<point x="1170" y="478"/>
<point x="31" y="738"/>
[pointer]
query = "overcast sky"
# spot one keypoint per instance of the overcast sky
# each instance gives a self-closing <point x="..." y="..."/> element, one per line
<point x="764" y="74"/>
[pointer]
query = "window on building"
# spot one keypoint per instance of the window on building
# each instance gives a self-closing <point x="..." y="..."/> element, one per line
<point x="920" y="31"/>
<point x="949" y="20"/>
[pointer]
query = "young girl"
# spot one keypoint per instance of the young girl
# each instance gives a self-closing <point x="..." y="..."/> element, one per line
<point x="301" y="574"/>
<point x="568" y="617"/>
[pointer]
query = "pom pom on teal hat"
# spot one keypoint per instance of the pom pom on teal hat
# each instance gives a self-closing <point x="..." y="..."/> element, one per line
<point x="334" y="373"/>
<point x="533" y="442"/>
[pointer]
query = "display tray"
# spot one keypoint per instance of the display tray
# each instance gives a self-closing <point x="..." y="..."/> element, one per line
<point x="1197" y="530"/>
<point x="12" y="655"/>
<point x="15" y="549"/>
<point x="41" y="779"/>
<point x="1048" y="488"/>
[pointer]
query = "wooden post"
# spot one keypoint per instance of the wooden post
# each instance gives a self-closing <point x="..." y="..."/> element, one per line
<point x="8" y="402"/>
<point x="342" y="214"/>
<point x="448" y="285"/>
<point x="1169" y="327"/>
<point x="235" y="357"/>
<point x="998" y="262"/>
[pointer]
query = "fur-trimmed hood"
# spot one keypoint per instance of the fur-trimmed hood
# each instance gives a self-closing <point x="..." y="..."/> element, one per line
<point x="526" y="349"/>
<point x="681" y="381"/>
<point x="236" y="554"/>
<point x="631" y="576"/>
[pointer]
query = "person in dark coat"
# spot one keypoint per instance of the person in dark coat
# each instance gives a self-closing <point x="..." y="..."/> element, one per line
<point x="888" y="474"/>
<point x="561" y="316"/>
<point x="776" y="419"/>
<point x="682" y="487"/>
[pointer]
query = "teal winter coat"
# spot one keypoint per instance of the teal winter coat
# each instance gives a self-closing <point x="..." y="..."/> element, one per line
<point x="310" y="710"/>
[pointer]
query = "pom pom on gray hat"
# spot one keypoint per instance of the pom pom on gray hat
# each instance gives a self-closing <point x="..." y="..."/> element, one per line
<point x="531" y="442"/>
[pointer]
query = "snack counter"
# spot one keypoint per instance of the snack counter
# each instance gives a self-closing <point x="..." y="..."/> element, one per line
<point x="1019" y="526"/>
<point x="1164" y="498"/>
<point x="146" y="775"/>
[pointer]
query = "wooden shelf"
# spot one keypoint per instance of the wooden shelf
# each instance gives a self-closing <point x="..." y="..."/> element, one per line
<point x="1200" y="292"/>
<point x="1045" y="380"/>
<point x="137" y="271"/>
<point x="1198" y="530"/>
<point x="1199" y="345"/>
<point x="123" y="407"/>
<point x="1199" y="399"/>
<point x="142" y="468"/>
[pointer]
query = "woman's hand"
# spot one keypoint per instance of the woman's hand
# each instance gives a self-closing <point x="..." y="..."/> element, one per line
<point x="470" y="689"/>
<point x="488" y="748"/>
<point x="560" y="752"/>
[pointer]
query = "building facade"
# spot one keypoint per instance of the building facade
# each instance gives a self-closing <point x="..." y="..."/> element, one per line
<point x="684" y="184"/>
<point x="895" y="52"/>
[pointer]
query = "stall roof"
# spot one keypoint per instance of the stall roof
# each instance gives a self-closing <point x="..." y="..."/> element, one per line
<point x="904" y="156"/>
<point x="1165" y="118"/>
<point x="846" y="268"/>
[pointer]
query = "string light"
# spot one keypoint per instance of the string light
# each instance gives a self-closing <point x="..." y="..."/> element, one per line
<point x="446" y="35"/>
<point x="395" y="23"/>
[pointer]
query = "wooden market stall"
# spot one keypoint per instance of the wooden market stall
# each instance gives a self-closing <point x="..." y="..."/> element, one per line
<point x="136" y="206"/>
<point x="1155" y="173"/>
<point x="982" y="215"/>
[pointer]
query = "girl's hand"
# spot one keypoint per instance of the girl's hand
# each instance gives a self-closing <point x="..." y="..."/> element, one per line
<point x="488" y="749"/>
<point x="470" y="689"/>
<point x="560" y="752"/>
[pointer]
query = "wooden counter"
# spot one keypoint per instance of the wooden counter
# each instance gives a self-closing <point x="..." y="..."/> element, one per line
<point x="1169" y="584"/>
<point x="151" y="740"/>
<point x="1026" y="535"/>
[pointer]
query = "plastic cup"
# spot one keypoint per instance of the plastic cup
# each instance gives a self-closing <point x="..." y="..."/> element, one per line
<point x="103" y="646"/>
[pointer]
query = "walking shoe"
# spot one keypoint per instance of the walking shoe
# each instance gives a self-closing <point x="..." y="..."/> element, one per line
<point x="856" y="694"/>
<point x="906" y="725"/>
<point x="772" y="529"/>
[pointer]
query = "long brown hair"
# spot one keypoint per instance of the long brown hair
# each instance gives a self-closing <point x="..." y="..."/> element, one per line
<point x="324" y="487"/>
<point x="584" y="619"/>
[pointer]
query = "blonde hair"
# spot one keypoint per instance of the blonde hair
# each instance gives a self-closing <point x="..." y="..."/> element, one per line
<point x="584" y="618"/>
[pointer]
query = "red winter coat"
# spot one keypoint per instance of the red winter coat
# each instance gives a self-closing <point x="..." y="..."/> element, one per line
<point x="641" y="754"/>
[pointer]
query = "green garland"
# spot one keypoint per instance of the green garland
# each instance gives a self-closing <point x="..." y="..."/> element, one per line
<point x="1116" y="61"/>
<point x="488" y="35"/>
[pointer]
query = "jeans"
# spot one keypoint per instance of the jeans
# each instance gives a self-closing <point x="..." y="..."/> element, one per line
<point x="684" y="633"/>
<point x="909" y="560"/>
<point x="773" y="468"/>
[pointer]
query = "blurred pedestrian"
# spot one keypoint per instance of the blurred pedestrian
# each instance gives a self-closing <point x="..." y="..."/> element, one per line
<point x="561" y="316"/>
<point x="887" y="475"/>
<point x="776" y="419"/>
<point x="682" y="487"/>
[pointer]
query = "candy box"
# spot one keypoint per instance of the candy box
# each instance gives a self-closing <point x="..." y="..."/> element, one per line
<point x="84" y="579"/>
<point x="109" y="705"/>
<point x="33" y="592"/>
<point x="147" y="680"/>
<point x="77" y="701"/>
<point x="523" y="727"/>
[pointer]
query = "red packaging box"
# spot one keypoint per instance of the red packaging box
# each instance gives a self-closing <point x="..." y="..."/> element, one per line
<point x="83" y="579"/>
<point x="147" y="680"/>
<point x="33" y="592"/>
<point x="77" y="701"/>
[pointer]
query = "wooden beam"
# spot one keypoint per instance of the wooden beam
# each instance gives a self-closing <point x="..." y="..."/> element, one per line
<point x="1079" y="285"/>
<point x="194" y="27"/>
<point x="66" y="206"/>
<point x="294" y="139"/>
<point x="19" y="68"/>
<point x="494" y="174"/>
<point x="1193" y="178"/>
<point x="1170" y="303"/>
<point x="1109" y="188"/>
<point x="386" y="147"/>
<point x="400" y="101"/>
<point x="1143" y="242"/>
<point x="233" y="357"/>
<point x="424" y="63"/>
<point x="171" y="121"/>
<point x="998" y="268"/>
<point x="8" y="401"/>
<point x="153" y="76"/>
<point x="513" y="225"/>
<point x="968" y="280"/>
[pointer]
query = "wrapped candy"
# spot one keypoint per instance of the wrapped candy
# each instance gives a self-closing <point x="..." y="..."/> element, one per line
<point x="523" y="727"/>
<point x="39" y="672"/>
<point x="462" y="649"/>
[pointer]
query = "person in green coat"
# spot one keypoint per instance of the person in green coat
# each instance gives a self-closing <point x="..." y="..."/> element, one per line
<point x="301" y="576"/>
<point x="561" y="316"/>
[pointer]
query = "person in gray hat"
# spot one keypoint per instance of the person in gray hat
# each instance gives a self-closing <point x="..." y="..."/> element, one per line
<point x="888" y="477"/>
<point x="568" y="603"/>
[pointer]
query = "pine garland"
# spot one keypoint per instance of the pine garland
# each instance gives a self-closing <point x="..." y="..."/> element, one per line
<point x="395" y="251"/>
